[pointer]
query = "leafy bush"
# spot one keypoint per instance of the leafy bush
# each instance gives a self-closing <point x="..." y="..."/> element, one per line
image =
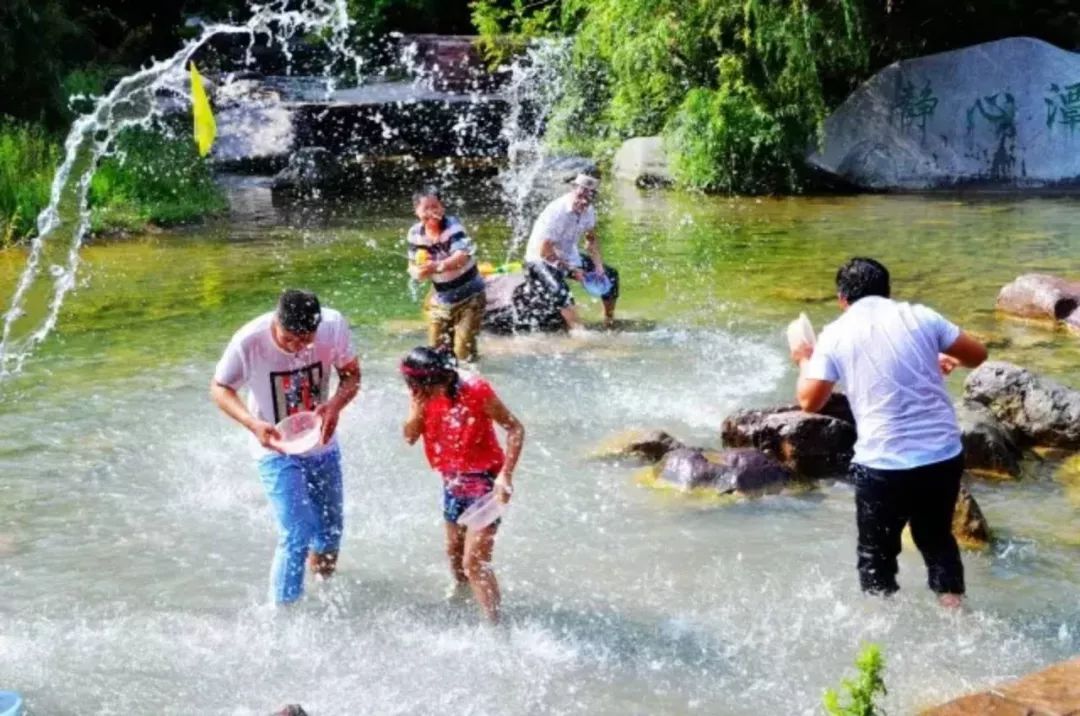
<point x="28" y="158"/>
<point x="152" y="177"/>
<point x="861" y="692"/>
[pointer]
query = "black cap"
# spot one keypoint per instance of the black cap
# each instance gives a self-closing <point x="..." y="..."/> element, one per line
<point x="299" y="311"/>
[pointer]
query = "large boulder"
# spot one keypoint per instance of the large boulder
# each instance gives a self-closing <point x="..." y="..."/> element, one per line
<point x="642" y="445"/>
<point x="743" y="471"/>
<point x="811" y="444"/>
<point x="1042" y="411"/>
<point x="990" y="448"/>
<point x="643" y="161"/>
<point x="1001" y="113"/>
<point x="1037" y="295"/>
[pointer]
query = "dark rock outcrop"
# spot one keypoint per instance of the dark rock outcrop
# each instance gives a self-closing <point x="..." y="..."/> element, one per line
<point x="810" y="444"/>
<point x="1043" y="412"/>
<point x="311" y="170"/>
<point x="1037" y="295"/>
<point x="743" y="471"/>
<point x="990" y="448"/>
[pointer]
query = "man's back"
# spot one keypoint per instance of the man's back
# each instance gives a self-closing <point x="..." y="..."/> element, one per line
<point x="886" y="355"/>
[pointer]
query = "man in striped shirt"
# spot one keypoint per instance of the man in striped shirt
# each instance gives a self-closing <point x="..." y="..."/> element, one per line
<point x="440" y="250"/>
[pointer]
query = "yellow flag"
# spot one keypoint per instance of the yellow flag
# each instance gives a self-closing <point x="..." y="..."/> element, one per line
<point x="205" y="126"/>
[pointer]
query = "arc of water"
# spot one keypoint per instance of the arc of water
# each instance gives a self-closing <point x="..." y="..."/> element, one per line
<point x="536" y="84"/>
<point x="93" y="134"/>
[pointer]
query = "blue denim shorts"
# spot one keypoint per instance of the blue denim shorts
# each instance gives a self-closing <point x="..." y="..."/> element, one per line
<point x="461" y="491"/>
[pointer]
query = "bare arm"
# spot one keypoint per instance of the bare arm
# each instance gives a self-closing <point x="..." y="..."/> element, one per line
<point x="229" y="402"/>
<point x="348" y="388"/>
<point x="515" y="438"/>
<point x="811" y="393"/>
<point x="592" y="246"/>
<point x="414" y="424"/>
<point x="968" y="351"/>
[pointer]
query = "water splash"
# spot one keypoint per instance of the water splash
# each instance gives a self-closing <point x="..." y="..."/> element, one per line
<point x="63" y="225"/>
<point x="536" y="84"/>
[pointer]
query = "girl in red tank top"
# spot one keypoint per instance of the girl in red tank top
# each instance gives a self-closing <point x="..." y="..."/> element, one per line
<point x="456" y="417"/>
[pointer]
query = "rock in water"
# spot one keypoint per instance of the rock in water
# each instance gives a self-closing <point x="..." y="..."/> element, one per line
<point x="1054" y="690"/>
<point x="1001" y="113"/>
<point x="990" y="448"/>
<point x="969" y="526"/>
<point x="1037" y="295"/>
<point x="645" y="445"/>
<point x="515" y="305"/>
<point x="292" y="710"/>
<point x="643" y="161"/>
<point x="744" y="471"/>
<point x="810" y="444"/>
<point x="1042" y="411"/>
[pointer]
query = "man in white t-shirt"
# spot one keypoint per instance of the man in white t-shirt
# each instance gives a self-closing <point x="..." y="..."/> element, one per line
<point x="908" y="461"/>
<point x="284" y="359"/>
<point x="553" y="251"/>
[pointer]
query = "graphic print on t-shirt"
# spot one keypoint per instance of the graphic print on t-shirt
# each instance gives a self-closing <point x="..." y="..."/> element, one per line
<point x="295" y="391"/>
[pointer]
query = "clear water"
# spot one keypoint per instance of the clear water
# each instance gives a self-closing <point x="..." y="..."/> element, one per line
<point x="135" y="541"/>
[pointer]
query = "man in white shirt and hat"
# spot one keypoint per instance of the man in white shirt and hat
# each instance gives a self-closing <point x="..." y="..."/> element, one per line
<point x="553" y="252"/>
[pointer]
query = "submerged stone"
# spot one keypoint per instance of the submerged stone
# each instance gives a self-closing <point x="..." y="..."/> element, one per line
<point x="1001" y="114"/>
<point x="1043" y="296"/>
<point x="744" y="471"/>
<point x="1044" y="412"/>
<point x="644" y="445"/>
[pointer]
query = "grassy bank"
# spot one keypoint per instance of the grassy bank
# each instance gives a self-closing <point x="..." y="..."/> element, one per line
<point x="151" y="179"/>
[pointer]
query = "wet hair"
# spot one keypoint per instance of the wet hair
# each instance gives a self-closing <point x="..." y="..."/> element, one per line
<point x="861" y="277"/>
<point x="425" y="366"/>
<point x="298" y="311"/>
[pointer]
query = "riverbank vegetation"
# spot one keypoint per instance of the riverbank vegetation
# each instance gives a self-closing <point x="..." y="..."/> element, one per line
<point x="739" y="88"/>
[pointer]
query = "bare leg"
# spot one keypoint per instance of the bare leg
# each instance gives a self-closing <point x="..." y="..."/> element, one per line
<point x="609" y="312"/>
<point x="569" y="315"/>
<point x="323" y="565"/>
<point x="479" y="544"/>
<point x="455" y="550"/>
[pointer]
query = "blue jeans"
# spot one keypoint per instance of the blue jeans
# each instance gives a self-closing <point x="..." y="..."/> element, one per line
<point x="305" y="494"/>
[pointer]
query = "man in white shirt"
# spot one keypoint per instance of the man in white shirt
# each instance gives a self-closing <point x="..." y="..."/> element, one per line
<point x="284" y="359"/>
<point x="553" y="251"/>
<point x="908" y="461"/>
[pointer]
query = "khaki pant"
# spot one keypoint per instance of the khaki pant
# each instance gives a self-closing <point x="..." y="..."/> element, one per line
<point x="456" y="325"/>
